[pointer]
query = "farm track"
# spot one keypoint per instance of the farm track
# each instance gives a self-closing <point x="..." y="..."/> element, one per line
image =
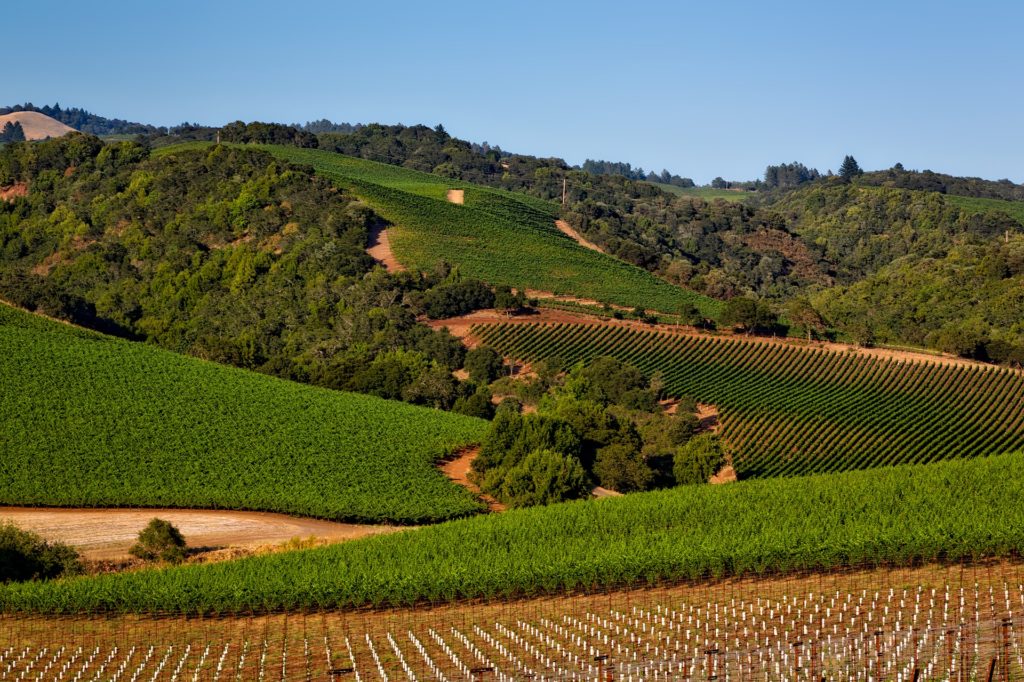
<point x="106" y="534"/>
<point x="457" y="469"/>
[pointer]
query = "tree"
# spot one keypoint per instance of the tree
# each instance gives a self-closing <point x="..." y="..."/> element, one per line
<point x="622" y="468"/>
<point x="544" y="477"/>
<point x="802" y="313"/>
<point x="25" y="555"/>
<point x="160" y="541"/>
<point x="719" y="183"/>
<point x="698" y="460"/>
<point x="849" y="169"/>
<point x="12" y="132"/>
<point x="484" y="364"/>
<point x="748" y="314"/>
<point x="476" y="405"/>
<point x="507" y="300"/>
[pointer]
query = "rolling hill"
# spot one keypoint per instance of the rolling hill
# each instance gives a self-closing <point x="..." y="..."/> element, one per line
<point x="36" y="126"/>
<point x="497" y="236"/>
<point x="90" y="420"/>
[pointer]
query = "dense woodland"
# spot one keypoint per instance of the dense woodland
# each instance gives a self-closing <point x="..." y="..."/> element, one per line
<point x="228" y="255"/>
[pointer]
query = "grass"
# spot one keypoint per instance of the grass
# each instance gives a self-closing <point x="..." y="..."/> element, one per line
<point x="1014" y="209"/>
<point x="90" y="420"/>
<point x="706" y="193"/>
<point x="498" y="236"/>
<point x="955" y="511"/>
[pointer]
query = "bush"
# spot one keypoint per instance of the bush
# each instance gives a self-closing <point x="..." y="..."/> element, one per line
<point x="476" y="405"/>
<point x="622" y="468"/>
<point x="684" y="427"/>
<point x="25" y="555"/>
<point x="698" y="460"/>
<point x="544" y="477"/>
<point x="483" y="364"/>
<point x="159" y="541"/>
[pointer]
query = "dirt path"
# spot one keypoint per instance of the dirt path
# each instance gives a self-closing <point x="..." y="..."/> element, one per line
<point x="457" y="469"/>
<point x="456" y="196"/>
<point x="566" y="229"/>
<point x="109" y="533"/>
<point x="380" y="249"/>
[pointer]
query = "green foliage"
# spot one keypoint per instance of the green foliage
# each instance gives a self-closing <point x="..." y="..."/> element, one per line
<point x="789" y="410"/>
<point x="748" y="315"/>
<point x="621" y="467"/>
<point x="224" y="253"/>
<point x="849" y="169"/>
<point x="267" y="133"/>
<point x="960" y="510"/>
<point x="89" y="420"/>
<point x="477" y="236"/>
<point x="160" y="540"/>
<point x="477" y="404"/>
<point x="24" y="555"/>
<point x="12" y="132"/>
<point x="543" y="477"/>
<point x="483" y="364"/>
<point x="698" y="460"/>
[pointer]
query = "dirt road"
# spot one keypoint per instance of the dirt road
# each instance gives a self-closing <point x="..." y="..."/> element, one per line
<point x="108" y="533"/>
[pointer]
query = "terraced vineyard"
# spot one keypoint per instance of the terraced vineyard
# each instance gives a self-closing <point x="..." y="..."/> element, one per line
<point x="90" y="420"/>
<point x="788" y="410"/>
<point x="497" y="236"/>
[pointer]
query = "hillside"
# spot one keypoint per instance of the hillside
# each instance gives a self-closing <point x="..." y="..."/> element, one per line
<point x="790" y="410"/>
<point x="496" y="236"/>
<point x="229" y="255"/>
<point x="36" y="126"/>
<point x="89" y="420"/>
<point x="895" y="516"/>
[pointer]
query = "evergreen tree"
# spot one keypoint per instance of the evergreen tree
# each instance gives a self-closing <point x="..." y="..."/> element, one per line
<point x="12" y="132"/>
<point x="850" y="168"/>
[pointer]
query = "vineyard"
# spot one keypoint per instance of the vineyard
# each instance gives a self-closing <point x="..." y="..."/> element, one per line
<point x="476" y="236"/>
<point x="957" y="511"/>
<point x="952" y="623"/>
<point x="788" y="410"/>
<point x="89" y="420"/>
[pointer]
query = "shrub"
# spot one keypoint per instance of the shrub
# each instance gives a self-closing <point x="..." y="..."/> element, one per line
<point x="698" y="460"/>
<point x="24" y="555"/>
<point x="483" y="364"/>
<point x="544" y="477"/>
<point x="159" y="541"/>
<point x="622" y="468"/>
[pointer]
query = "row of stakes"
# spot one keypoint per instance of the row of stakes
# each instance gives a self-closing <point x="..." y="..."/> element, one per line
<point x="900" y="635"/>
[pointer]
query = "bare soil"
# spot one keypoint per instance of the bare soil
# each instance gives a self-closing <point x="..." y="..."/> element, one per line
<point x="380" y="249"/>
<point x="567" y="229"/>
<point x="457" y="196"/>
<point x="457" y="469"/>
<point x="604" y="492"/>
<point x="107" y="534"/>
<point x="708" y="416"/>
<point x="36" y="126"/>
<point x="19" y="189"/>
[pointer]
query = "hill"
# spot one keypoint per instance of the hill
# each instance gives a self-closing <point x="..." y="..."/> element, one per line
<point x="500" y="237"/>
<point x="90" y="420"/>
<point x="894" y="516"/>
<point x="789" y="410"/>
<point x="36" y="126"/>
<point x="85" y="121"/>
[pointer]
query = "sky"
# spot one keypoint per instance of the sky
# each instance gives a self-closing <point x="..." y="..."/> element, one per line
<point x="702" y="89"/>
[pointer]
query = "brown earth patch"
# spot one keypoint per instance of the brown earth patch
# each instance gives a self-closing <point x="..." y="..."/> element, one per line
<point x="36" y="126"/>
<point x="107" y="534"/>
<point x="380" y="249"/>
<point x="457" y="469"/>
<point x="567" y="229"/>
<point x="707" y="415"/>
<point x="18" y="189"/>
<point x="456" y="196"/>
<point x="600" y="492"/>
<point x="44" y="266"/>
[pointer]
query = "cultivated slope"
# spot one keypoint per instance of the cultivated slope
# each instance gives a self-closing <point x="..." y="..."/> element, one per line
<point x="500" y="237"/>
<point x="36" y="126"/>
<point x="951" y="510"/>
<point x="788" y="410"/>
<point x="91" y="420"/>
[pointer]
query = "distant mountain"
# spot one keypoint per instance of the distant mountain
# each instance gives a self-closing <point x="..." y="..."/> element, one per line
<point x="85" y="121"/>
<point x="36" y="126"/>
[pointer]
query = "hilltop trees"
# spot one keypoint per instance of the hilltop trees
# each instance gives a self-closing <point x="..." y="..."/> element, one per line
<point x="849" y="169"/>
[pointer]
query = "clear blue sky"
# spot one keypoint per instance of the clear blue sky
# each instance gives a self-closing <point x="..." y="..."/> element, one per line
<point x="704" y="89"/>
